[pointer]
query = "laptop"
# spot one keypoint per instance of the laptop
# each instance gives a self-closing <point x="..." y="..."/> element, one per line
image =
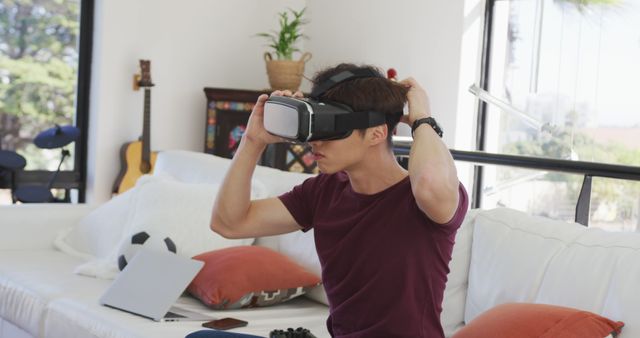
<point x="151" y="283"/>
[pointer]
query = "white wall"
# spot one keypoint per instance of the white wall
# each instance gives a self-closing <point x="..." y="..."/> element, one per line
<point x="418" y="38"/>
<point x="192" y="44"/>
<point x="436" y="42"/>
<point x="204" y="43"/>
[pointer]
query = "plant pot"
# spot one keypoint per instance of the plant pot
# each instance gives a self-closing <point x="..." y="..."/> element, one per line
<point x="285" y="74"/>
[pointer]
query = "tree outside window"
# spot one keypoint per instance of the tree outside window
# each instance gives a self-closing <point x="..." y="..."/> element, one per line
<point x="38" y="76"/>
<point x="571" y="66"/>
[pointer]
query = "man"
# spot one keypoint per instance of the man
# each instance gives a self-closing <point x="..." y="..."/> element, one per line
<point x="384" y="235"/>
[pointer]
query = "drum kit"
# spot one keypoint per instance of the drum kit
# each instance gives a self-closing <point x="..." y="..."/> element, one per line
<point x="11" y="163"/>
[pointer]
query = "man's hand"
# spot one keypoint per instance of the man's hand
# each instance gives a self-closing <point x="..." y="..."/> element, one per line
<point x="255" y="132"/>
<point x="418" y="99"/>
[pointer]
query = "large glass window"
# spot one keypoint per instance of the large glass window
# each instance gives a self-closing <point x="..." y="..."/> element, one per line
<point x="40" y="58"/>
<point x="569" y="71"/>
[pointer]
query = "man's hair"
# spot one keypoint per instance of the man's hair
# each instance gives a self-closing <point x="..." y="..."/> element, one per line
<point x="366" y="94"/>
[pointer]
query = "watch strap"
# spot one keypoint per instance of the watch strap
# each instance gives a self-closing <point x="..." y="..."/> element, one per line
<point x="427" y="120"/>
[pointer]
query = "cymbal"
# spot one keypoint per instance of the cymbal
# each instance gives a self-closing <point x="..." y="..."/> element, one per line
<point x="12" y="160"/>
<point x="56" y="137"/>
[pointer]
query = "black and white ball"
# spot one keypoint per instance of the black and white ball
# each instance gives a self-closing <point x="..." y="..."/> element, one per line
<point x="143" y="239"/>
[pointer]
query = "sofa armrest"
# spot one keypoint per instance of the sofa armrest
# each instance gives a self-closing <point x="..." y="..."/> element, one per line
<point x="35" y="226"/>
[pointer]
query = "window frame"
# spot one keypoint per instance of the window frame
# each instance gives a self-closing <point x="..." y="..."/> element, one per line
<point x="72" y="179"/>
<point x="587" y="169"/>
<point x="480" y="157"/>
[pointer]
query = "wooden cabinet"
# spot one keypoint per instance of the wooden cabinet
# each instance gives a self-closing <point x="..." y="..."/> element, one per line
<point x="226" y="119"/>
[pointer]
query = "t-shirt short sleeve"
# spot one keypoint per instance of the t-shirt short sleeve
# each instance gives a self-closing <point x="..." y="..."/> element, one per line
<point x="456" y="220"/>
<point x="300" y="202"/>
<point x="461" y="211"/>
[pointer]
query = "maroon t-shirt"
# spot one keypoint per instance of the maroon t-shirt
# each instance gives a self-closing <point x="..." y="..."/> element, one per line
<point x="384" y="262"/>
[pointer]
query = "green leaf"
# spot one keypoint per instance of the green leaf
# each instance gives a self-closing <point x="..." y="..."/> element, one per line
<point x="284" y="40"/>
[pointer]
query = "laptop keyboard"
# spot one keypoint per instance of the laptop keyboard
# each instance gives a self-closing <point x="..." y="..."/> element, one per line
<point x="173" y="315"/>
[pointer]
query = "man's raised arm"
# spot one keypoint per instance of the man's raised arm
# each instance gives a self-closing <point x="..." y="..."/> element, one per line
<point x="234" y="214"/>
<point x="434" y="180"/>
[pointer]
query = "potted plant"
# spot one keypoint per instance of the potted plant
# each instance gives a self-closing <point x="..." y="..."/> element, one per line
<point x="283" y="71"/>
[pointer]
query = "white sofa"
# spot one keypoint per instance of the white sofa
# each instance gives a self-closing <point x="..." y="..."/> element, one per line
<point x="500" y="256"/>
<point x="41" y="296"/>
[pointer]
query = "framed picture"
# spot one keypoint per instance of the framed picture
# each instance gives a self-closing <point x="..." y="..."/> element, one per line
<point x="227" y="115"/>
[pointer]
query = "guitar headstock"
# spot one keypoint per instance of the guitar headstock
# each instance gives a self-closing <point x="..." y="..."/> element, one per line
<point x="145" y="74"/>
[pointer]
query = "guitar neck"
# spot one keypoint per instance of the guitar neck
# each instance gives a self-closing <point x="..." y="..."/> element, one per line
<point x="146" y="126"/>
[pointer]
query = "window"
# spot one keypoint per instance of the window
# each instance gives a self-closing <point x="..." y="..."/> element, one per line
<point x="567" y="71"/>
<point x="45" y="58"/>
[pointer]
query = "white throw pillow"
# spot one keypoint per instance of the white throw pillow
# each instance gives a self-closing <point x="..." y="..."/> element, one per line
<point x="100" y="231"/>
<point x="298" y="245"/>
<point x="301" y="248"/>
<point x="180" y="210"/>
<point x="455" y="293"/>
<point x="157" y="203"/>
<point x="195" y="167"/>
<point x="188" y="166"/>
<point x="191" y="166"/>
<point x="510" y="255"/>
<point x="277" y="182"/>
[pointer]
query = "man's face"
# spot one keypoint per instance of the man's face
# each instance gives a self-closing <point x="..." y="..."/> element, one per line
<point x="337" y="155"/>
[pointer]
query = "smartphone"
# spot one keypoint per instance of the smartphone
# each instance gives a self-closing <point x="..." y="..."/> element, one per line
<point x="225" y="324"/>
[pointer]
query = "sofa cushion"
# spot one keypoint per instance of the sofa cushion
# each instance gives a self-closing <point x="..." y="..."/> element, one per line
<point x="249" y="276"/>
<point x="181" y="211"/>
<point x="301" y="248"/>
<point x="29" y="280"/>
<point x="524" y="320"/>
<point x="455" y="292"/>
<point x="157" y="204"/>
<point x="510" y="254"/>
<point x="9" y="330"/>
<point x="522" y="258"/>
<point x="601" y="269"/>
<point x="40" y="294"/>
<point x="19" y="223"/>
<point x="194" y="167"/>
<point x="100" y="231"/>
<point x="191" y="166"/>
<point x="80" y="316"/>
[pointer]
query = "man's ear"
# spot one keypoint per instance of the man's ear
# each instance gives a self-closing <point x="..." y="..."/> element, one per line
<point x="377" y="134"/>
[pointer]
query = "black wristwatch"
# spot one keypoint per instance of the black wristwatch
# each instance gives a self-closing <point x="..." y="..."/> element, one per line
<point x="428" y="120"/>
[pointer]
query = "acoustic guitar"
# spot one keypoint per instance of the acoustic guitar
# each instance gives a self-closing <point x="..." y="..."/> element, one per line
<point x="136" y="158"/>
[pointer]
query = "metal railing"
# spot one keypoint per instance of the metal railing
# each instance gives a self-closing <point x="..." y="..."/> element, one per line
<point x="588" y="170"/>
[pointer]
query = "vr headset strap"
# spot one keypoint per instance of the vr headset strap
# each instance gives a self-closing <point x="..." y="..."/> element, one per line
<point x="359" y="120"/>
<point x="339" y="78"/>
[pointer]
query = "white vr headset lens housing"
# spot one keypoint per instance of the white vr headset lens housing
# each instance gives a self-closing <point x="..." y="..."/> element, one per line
<point x="284" y="117"/>
<point x="303" y="120"/>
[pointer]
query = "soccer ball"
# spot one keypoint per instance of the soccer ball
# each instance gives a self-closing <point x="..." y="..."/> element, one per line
<point x="143" y="239"/>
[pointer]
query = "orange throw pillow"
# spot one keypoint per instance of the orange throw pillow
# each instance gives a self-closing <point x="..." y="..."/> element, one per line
<point x="249" y="276"/>
<point x="525" y="320"/>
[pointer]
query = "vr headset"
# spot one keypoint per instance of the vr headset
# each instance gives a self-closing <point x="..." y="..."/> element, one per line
<point x="311" y="119"/>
